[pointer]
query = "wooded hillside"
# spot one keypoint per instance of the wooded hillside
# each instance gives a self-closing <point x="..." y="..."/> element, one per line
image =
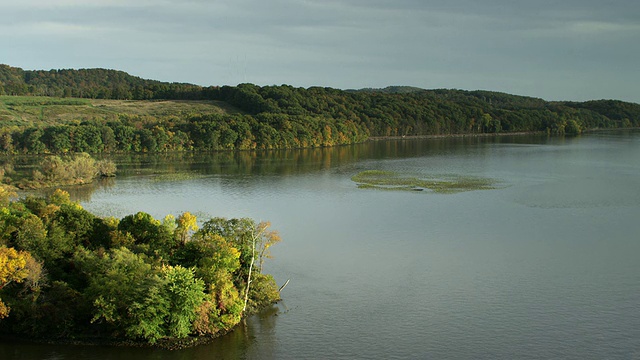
<point x="263" y="117"/>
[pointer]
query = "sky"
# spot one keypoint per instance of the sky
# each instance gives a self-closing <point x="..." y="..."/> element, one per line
<point x="556" y="50"/>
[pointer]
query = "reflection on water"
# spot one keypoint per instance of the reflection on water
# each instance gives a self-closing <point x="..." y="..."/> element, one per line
<point x="167" y="167"/>
<point x="544" y="266"/>
<point x="280" y="162"/>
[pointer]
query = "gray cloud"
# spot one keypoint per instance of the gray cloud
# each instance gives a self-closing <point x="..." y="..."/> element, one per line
<point x="575" y="49"/>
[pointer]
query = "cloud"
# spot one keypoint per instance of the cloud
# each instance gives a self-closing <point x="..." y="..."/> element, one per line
<point x="342" y="43"/>
<point x="47" y="4"/>
<point x="602" y="28"/>
<point x="52" y="29"/>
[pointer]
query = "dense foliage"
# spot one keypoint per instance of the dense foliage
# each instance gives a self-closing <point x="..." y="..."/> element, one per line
<point x="65" y="273"/>
<point x="434" y="112"/>
<point x="92" y="84"/>
<point x="276" y="117"/>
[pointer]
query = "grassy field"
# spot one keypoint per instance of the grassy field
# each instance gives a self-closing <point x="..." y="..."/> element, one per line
<point x="36" y="110"/>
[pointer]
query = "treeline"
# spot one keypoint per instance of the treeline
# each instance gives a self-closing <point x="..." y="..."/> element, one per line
<point x="92" y="84"/>
<point x="65" y="273"/>
<point x="433" y="112"/>
<point x="288" y="117"/>
<point x="197" y="132"/>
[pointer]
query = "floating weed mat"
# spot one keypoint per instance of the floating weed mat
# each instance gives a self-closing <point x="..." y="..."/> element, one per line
<point x="443" y="184"/>
<point x="178" y="176"/>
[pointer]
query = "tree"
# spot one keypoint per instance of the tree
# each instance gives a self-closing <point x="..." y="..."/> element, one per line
<point x="60" y="197"/>
<point x="572" y="128"/>
<point x="238" y="233"/>
<point x="495" y="126"/>
<point x="124" y="289"/>
<point x="124" y="136"/>
<point x="185" y="223"/>
<point x="32" y="141"/>
<point x="53" y="169"/>
<point x="148" y="141"/>
<point x="252" y="240"/>
<point x="6" y="193"/>
<point x="87" y="138"/>
<point x="212" y="255"/>
<point x="76" y="222"/>
<point x="146" y="302"/>
<point x="183" y="293"/>
<point x="6" y="141"/>
<point x="32" y="236"/>
<point x="262" y="239"/>
<point x="268" y="239"/>
<point x="13" y="268"/>
<point x="58" y="139"/>
<point x="108" y="139"/>
<point x="150" y="235"/>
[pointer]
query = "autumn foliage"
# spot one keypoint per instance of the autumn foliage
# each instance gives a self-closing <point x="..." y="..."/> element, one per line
<point x="65" y="272"/>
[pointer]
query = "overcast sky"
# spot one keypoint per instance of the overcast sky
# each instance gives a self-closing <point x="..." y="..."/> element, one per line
<point x="556" y="50"/>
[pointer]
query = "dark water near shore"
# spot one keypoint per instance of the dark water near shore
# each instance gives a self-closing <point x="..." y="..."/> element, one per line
<point x="547" y="265"/>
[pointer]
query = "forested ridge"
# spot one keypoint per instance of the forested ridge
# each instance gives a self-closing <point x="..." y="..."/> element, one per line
<point x="266" y="117"/>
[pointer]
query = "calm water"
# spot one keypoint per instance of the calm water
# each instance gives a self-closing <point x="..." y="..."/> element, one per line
<point x="545" y="266"/>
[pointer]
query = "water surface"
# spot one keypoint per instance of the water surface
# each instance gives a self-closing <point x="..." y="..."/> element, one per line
<point x="543" y="266"/>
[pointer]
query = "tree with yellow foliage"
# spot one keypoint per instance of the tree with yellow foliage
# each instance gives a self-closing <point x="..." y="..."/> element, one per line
<point x="13" y="268"/>
<point x="185" y="223"/>
<point x="266" y="240"/>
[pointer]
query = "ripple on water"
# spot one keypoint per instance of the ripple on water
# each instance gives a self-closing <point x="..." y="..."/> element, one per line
<point x="582" y="193"/>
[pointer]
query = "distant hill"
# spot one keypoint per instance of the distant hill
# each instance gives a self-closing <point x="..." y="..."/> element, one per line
<point x="92" y="84"/>
<point x="390" y="90"/>
<point x="248" y="116"/>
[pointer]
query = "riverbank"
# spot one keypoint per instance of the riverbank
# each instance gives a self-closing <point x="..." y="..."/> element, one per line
<point x="165" y="344"/>
<point x="517" y="133"/>
<point x="442" y="136"/>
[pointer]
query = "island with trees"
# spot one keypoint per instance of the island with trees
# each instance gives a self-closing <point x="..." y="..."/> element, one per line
<point x="68" y="275"/>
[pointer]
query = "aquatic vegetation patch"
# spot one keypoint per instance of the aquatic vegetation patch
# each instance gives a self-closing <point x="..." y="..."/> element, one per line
<point x="441" y="183"/>
<point x="177" y="176"/>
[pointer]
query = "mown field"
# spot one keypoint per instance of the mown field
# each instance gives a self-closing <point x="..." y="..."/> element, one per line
<point x="31" y="111"/>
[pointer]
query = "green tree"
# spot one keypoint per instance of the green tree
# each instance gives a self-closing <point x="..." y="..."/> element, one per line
<point x="58" y="139"/>
<point x="124" y="136"/>
<point x="572" y="128"/>
<point x="124" y="289"/>
<point x="108" y="139"/>
<point x="184" y="294"/>
<point x="149" y="234"/>
<point x="33" y="141"/>
<point x="148" y="142"/>
<point x="87" y="138"/>
<point x="76" y="222"/>
<point x="212" y="255"/>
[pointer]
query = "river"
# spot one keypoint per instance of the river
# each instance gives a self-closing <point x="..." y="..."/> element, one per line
<point x="544" y="266"/>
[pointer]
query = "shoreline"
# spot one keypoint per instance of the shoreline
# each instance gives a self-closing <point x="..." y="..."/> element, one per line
<point x="169" y="344"/>
<point x="164" y="344"/>
<point x="443" y="136"/>
<point x="472" y="135"/>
